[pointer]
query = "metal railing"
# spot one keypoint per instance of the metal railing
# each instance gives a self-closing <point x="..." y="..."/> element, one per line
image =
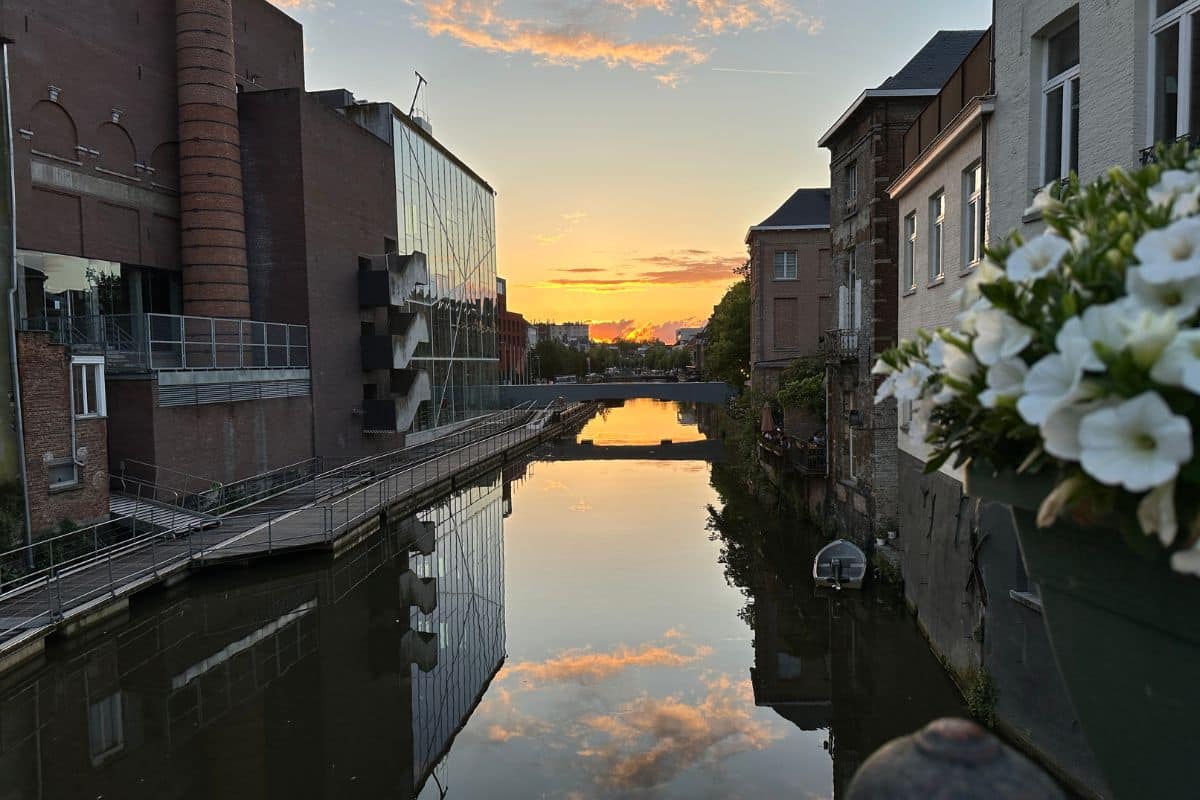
<point x="140" y="342"/>
<point x="1149" y="155"/>
<point x="63" y="579"/>
<point x="841" y="344"/>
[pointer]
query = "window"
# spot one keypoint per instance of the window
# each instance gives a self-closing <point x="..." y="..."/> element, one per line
<point x="937" y="225"/>
<point x="851" y="183"/>
<point x="972" y="215"/>
<point x="87" y="386"/>
<point x="106" y="728"/>
<point x="910" y="251"/>
<point x="1060" y="105"/>
<point x="785" y="265"/>
<point x="787" y="323"/>
<point x="1175" y="35"/>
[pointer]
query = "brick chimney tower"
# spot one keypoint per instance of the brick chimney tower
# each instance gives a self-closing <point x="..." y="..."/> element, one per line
<point x="211" y="216"/>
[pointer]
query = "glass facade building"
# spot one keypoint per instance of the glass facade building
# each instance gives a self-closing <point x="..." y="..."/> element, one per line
<point x="447" y="212"/>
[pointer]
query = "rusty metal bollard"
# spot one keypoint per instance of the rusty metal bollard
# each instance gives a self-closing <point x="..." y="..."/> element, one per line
<point x="948" y="759"/>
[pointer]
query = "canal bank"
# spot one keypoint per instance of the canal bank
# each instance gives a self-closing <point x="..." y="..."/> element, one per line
<point x="560" y="628"/>
<point x="77" y="594"/>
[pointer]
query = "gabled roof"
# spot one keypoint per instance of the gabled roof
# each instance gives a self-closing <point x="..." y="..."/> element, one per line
<point x="923" y="76"/>
<point x="936" y="62"/>
<point x="806" y="208"/>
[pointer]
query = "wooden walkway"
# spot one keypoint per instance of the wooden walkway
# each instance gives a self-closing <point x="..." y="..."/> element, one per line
<point x="304" y="517"/>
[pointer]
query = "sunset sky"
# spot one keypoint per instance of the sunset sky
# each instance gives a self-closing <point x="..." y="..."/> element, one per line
<point x="631" y="142"/>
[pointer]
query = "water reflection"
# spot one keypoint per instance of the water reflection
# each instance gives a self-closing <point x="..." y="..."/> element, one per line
<point x="568" y="629"/>
<point x="348" y="679"/>
<point x="642" y="422"/>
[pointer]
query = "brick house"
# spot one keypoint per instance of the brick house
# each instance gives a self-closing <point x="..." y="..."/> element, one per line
<point x="866" y="146"/>
<point x="790" y="298"/>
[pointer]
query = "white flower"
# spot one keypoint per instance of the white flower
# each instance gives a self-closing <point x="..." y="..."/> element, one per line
<point x="999" y="336"/>
<point x="1181" y="297"/>
<point x="910" y="382"/>
<point x="918" y="426"/>
<point x="882" y="368"/>
<point x="1187" y="561"/>
<point x="935" y="352"/>
<point x="1171" y="253"/>
<point x="1073" y="343"/>
<point x="1054" y="503"/>
<point x="1156" y="513"/>
<point x="1060" y="431"/>
<point x="1005" y="380"/>
<point x="1180" y="362"/>
<point x="1043" y="201"/>
<point x="886" y="389"/>
<point x="1176" y="189"/>
<point x="1037" y="258"/>
<point x="1138" y="444"/>
<point x="1125" y="325"/>
<point x="987" y="272"/>
<point x="958" y="364"/>
<point x="1053" y="382"/>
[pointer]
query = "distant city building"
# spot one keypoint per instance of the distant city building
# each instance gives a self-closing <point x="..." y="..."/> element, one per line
<point x="791" y="297"/>
<point x="513" y="338"/>
<point x="572" y="334"/>
<point x="865" y="146"/>
<point x="685" y="335"/>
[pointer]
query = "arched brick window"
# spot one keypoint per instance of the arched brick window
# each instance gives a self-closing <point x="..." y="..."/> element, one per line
<point x="53" y="130"/>
<point x="117" y="153"/>
<point x="165" y="161"/>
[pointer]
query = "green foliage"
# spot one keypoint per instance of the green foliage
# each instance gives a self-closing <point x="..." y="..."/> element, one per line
<point x="555" y="358"/>
<point x="661" y="357"/>
<point x="727" y="356"/>
<point x="802" y="386"/>
<point x="981" y="698"/>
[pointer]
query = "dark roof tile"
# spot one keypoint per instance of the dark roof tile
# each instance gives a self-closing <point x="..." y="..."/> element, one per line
<point x="936" y="61"/>
<point x="804" y="207"/>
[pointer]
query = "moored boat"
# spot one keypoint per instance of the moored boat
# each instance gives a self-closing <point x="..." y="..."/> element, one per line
<point x="841" y="565"/>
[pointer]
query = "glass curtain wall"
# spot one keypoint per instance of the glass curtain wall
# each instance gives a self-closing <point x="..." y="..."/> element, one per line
<point x="450" y="215"/>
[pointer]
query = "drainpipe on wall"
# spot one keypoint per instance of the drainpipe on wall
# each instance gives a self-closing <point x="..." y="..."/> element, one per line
<point x="7" y="152"/>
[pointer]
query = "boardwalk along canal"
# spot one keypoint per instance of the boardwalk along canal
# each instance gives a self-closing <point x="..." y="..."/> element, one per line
<point x="567" y="628"/>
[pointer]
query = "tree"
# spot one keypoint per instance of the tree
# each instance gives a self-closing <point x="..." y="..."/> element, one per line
<point x="802" y="385"/>
<point x="727" y="356"/>
<point x="555" y="358"/>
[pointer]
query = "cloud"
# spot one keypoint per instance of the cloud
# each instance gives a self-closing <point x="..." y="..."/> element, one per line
<point x="650" y="741"/>
<point x="630" y="331"/>
<point x="569" y="221"/>
<point x="482" y="25"/>
<point x="582" y="505"/>
<point x="588" y="32"/>
<point x="587" y="667"/>
<point x="679" y="268"/>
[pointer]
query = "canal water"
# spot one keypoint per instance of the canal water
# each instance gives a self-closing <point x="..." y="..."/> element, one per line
<point x="568" y="628"/>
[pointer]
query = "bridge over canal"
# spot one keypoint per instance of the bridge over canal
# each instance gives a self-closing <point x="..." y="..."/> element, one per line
<point x="706" y="450"/>
<point x="715" y="393"/>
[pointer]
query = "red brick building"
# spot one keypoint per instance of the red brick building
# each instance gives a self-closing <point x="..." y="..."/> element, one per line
<point x="513" y="339"/>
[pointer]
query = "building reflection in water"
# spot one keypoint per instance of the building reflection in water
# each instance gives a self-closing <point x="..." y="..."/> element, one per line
<point x="228" y="688"/>
<point x="850" y="664"/>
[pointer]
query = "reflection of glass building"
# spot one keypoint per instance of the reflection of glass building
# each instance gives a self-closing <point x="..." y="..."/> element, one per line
<point x="446" y="211"/>
<point x="467" y="564"/>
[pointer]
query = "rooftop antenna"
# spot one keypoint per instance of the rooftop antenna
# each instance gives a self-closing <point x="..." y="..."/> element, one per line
<point x="420" y="82"/>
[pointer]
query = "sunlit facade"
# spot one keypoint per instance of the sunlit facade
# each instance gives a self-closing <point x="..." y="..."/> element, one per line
<point x="449" y="213"/>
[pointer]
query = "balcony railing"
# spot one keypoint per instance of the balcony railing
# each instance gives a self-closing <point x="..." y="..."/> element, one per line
<point x="151" y="342"/>
<point x="1149" y="155"/>
<point x="841" y="345"/>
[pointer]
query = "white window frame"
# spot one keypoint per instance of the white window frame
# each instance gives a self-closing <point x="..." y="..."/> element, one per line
<point x="1064" y="80"/>
<point x="937" y="236"/>
<point x="1186" y="17"/>
<point x="795" y="265"/>
<point x="972" y="223"/>
<point x="910" y="252"/>
<point x="851" y="176"/>
<point x="80" y="367"/>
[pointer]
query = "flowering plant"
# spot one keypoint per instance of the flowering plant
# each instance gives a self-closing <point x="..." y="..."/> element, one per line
<point x="1077" y="354"/>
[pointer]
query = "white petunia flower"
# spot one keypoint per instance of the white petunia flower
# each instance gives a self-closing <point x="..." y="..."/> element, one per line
<point x="958" y="364"/>
<point x="1180" y="362"/>
<point x="1138" y="444"/>
<point x="1060" y="431"/>
<point x="1176" y="189"/>
<point x="1037" y="258"/>
<point x="935" y="352"/>
<point x="1171" y="253"/>
<point x="987" y="272"/>
<point x="910" y="382"/>
<point x="1005" y="380"/>
<point x="1043" y="201"/>
<point x="1073" y="343"/>
<point x="882" y="368"/>
<point x="1180" y="297"/>
<point x="999" y="336"/>
<point x="1187" y="561"/>
<point x="1124" y="325"/>
<point x="1053" y="382"/>
<point x="886" y="389"/>
<point x="1156" y="513"/>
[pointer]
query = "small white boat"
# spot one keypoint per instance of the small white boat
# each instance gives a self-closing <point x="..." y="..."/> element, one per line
<point x="841" y="565"/>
